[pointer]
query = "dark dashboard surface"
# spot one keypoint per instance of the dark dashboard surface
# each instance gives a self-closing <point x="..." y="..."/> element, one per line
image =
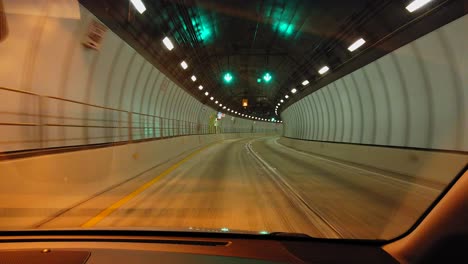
<point x="172" y="249"/>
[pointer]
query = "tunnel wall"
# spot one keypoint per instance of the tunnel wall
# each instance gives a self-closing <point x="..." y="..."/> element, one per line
<point x="64" y="94"/>
<point x="436" y="168"/>
<point x="416" y="96"/>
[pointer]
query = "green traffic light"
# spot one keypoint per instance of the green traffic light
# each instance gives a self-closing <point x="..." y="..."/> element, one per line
<point x="228" y="77"/>
<point x="267" y="77"/>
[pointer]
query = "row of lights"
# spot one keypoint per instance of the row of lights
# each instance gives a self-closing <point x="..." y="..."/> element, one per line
<point x="168" y="43"/>
<point x="413" y="6"/>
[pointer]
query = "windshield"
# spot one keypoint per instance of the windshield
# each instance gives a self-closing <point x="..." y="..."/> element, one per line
<point x="334" y="119"/>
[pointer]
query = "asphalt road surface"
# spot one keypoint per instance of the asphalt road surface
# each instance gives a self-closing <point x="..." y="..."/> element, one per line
<point x="257" y="184"/>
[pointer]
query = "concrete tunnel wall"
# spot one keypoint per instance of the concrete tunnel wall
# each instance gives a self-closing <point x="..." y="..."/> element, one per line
<point x="43" y="62"/>
<point x="416" y="96"/>
<point x="46" y="58"/>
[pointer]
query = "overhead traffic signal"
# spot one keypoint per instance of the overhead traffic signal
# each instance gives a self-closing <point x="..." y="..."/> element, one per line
<point x="228" y="77"/>
<point x="267" y="77"/>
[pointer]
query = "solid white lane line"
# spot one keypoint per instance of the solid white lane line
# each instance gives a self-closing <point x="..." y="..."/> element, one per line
<point x="331" y="230"/>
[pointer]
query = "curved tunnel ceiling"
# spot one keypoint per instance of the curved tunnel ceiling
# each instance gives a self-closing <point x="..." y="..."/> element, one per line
<point x="289" y="39"/>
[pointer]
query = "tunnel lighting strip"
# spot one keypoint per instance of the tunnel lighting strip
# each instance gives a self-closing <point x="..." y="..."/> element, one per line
<point x="358" y="43"/>
<point x="323" y="70"/>
<point x="139" y="6"/>
<point x="416" y="4"/>
<point x="167" y="42"/>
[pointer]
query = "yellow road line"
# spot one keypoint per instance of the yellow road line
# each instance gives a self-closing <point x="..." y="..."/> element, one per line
<point x="93" y="221"/>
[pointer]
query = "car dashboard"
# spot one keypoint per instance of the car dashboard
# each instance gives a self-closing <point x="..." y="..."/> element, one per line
<point x="187" y="248"/>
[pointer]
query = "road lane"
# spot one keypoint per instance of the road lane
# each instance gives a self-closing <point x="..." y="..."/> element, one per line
<point x="225" y="185"/>
<point x="221" y="187"/>
<point x="360" y="202"/>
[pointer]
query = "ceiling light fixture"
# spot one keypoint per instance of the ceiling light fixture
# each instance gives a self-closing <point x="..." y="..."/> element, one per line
<point x="194" y="78"/>
<point x="323" y="70"/>
<point x="358" y="43"/>
<point x="184" y="65"/>
<point x="139" y="6"/>
<point x="416" y="4"/>
<point x="167" y="42"/>
<point x="306" y="82"/>
<point x="294" y="90"/>
<point x="200" y="87"/>
<point x="207" y="93"/>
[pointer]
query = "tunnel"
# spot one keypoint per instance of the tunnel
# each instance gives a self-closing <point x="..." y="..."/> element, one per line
<point x="337" y="119"/>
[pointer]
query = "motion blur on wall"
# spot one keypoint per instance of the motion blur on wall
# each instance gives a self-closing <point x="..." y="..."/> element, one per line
<point x="415" y="96"/>
<point x="69" y="81"/>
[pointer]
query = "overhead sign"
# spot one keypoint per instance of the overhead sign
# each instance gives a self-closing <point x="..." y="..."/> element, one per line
<point x="245" y="102"/>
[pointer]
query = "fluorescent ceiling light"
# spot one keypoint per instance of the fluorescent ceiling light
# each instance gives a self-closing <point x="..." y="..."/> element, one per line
<point x="416" y="4"/>
<point x="294" y="90"/>
<point x="167" y="42"/>
<point x="358" y="43"/>
<point x="184" y="65"/>
<point x="139" y="6"/>
<point x="200" y="87"/>
<point x="207" y="93"/>
<point x="306" y="82"/>
<point x="194" y="78"/>
<point x="323" y="70"/>
<point x="286" y="96"/>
